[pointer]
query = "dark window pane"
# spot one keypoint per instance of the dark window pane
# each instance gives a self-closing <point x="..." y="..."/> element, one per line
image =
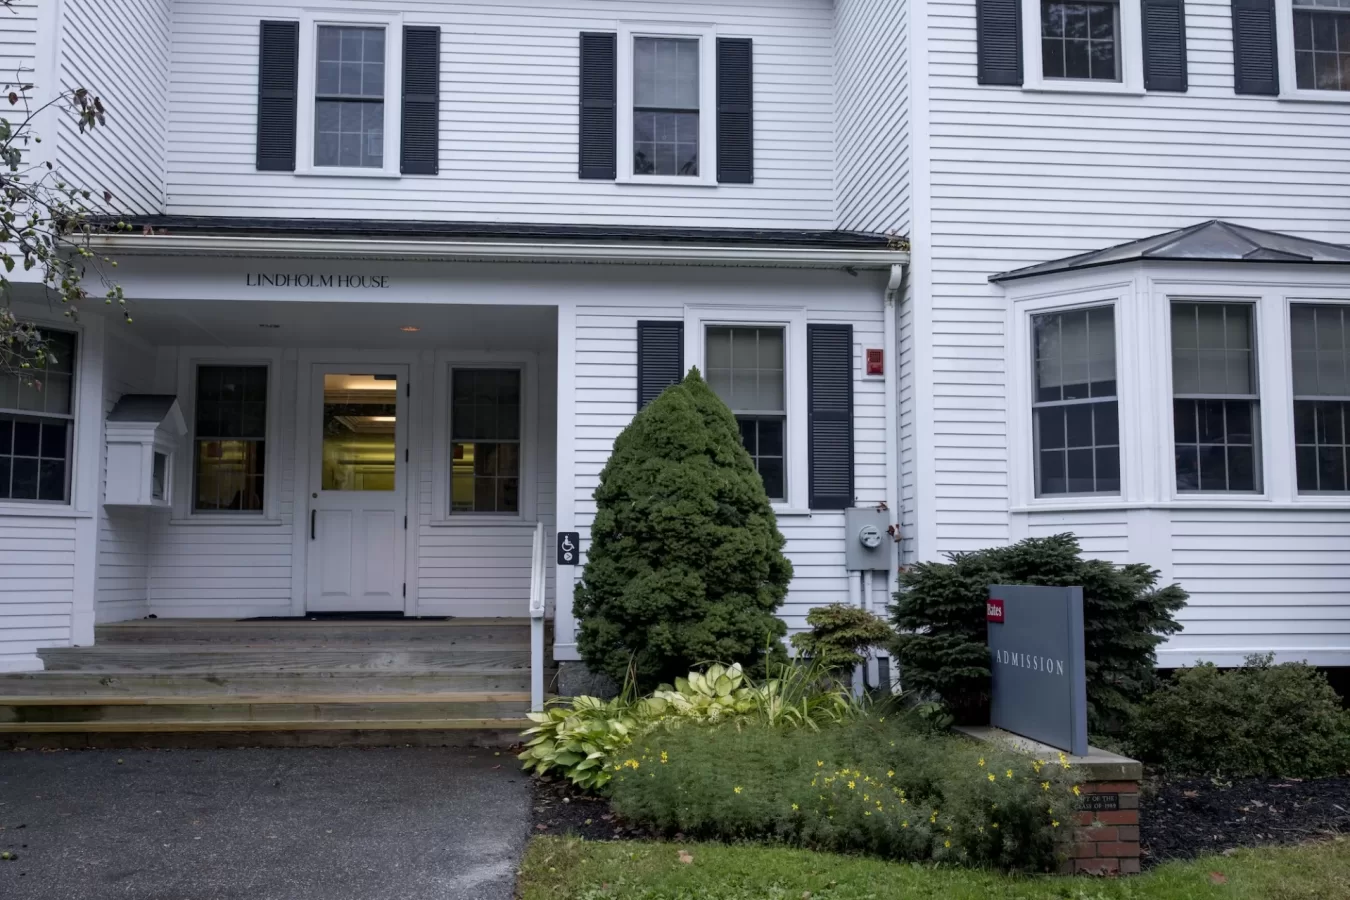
<point x="1051" y="422"/>
<point x="1329" y="423"/>
<point x="1213" y="469"/>
<point x="1211" y="421"/>
<point x="749" y="435"/>
<point x="229" y="476"/>
<point x="1306" y="463"/>
<point x="52" y="480"/>
<point x="6" y="437"/>
<point x="5" y="462"/>
<point x="25" y="479"/>
<point x="1108" y="469"/>
<point x="1052" y="57"/>
<point x="1305" y="421"/>
<point x="1076" y="63"/>
<point x="508" y="495"/>
<point x="1106" y="425"/>
<point x="1052" y="472"/>
<point x="1080" y="471"/>
<point x="771" y="471"/>
<point x="1241" y="469"/>
<point x="485" y="495"/>
<point x="1078" y="425"/>
<point x="1188" y="468"/>
<point x="1183" y="421"/>
<point x="1239" y="419"/>
<point x="27" y="438"/>
<point x="771" y="437"/>
<point x="1331" y="468"/>
<point x="54" y="440"/>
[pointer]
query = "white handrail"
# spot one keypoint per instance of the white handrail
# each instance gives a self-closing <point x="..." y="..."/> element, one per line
<point x="538" y="608"/>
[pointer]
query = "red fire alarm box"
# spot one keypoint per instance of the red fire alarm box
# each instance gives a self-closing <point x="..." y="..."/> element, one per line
<point x="875" y="364"/>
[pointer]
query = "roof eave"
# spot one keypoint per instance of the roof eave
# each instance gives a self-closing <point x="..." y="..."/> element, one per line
<point x="1023" y="274"/>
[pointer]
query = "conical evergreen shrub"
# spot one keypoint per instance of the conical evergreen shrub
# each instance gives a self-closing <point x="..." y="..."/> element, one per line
<point x="686" y="563"/>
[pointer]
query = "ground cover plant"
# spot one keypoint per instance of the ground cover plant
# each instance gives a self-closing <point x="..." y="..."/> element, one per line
<point x="1259" y="720"/>
<point x="940" y="614"/>
<point x="876" y="784"/>
<point x="570" y="869"/>
<point x="686" y="561"/>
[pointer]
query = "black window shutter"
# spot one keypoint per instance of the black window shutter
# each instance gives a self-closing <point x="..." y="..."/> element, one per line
<point x="420" y="142"/>
<point x="660" y="358"/>
<point x="278" y="71"/>
<point x="829" y="401"/>
<point x="735" y="111"/>
<point x="1254" y="67"/>
<point x="598" y="133"/>
<point x="998" y="41"/>
<point x="1164" y="45"/>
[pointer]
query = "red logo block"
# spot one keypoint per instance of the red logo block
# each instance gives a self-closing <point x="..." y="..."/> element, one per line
<point x="993" y="611"/>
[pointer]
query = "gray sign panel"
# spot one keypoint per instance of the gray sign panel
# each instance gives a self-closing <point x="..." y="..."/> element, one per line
<point x="1036" y="659"/>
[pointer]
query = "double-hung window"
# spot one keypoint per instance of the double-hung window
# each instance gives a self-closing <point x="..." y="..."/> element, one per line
<point x="1074" y="407"/>
<point x="666" y="123"/>
<point x="745" y="368"/>
<point x="485" y="429"/>
<point x="230" y="439"/>
<point x="1215" y="397"/>
<point x="1080" y="40"/>
<point x="37" y="424"/>
<point x="1322" y="45"/>
<point x="1320" y="347"/>
<point x="349" y="101"/>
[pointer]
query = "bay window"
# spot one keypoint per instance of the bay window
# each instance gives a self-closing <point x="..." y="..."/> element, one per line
<point x="1074" y="407"/>
<point x="1215" y="397"/>
<point x="1319" y="337"/>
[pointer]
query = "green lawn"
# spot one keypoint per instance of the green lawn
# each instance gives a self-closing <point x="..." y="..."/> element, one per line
<point x="571" y="869"/>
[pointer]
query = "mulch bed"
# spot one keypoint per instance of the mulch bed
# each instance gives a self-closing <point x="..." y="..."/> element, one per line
<point x="561" y="809"/>
<point x="1185" y="818"/>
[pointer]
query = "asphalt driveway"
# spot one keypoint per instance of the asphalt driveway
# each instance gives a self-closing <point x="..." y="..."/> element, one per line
<point x="286" y="824"/>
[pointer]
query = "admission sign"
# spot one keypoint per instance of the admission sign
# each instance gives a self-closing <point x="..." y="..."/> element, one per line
<point x="1039" y="685"/>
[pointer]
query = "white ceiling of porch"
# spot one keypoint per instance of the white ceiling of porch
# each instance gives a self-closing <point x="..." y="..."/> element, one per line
<point x="377" y="326"/>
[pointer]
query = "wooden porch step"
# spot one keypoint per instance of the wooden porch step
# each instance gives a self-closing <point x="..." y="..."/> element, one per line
<point x="322" y="632"/>
<point x="103" y="685"/>
<point x="242" y="726"/>
<point x="224" y="660"/>
<point x="40" y="714"/>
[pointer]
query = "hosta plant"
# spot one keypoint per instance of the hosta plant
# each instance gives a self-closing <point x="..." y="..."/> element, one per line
<point x="577" y="736"/>
<point x="716" y="695"/>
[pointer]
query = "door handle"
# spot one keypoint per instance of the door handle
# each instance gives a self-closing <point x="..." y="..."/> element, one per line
<point x="313" y="516"/>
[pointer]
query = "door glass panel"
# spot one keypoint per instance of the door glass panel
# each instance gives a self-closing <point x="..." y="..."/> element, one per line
<point x="360" y="413"/>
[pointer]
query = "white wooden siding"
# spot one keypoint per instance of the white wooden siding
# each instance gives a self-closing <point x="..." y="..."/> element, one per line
<point x="37" y="587"/>
<point x="121" y="580"/>
<point x="605" y="398"/>
<point x="872" y="115"/>
<point x="1101" y="535"/>
<point x="1262" y="581"/>
<point x="1020" y="177"/>
<point x="907" y="429"/>
<point x="122" y="58"/>
<point x="508" y="142"/>
<point x="18" y="42"/>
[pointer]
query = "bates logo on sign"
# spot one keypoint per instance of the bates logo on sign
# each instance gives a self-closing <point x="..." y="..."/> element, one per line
<point x="993" y="611"/>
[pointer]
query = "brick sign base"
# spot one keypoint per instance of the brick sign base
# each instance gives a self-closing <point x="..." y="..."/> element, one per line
<point x="1105" y="840"/>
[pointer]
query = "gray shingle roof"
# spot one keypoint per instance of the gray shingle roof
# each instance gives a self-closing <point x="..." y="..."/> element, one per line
<point x="1212" y="241"/>
<point x="142" y="408"/>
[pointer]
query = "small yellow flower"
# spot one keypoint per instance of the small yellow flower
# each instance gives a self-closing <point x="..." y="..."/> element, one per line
<point x="981" y="762"/>
<point x="946" y="843"/>
<point x="820" y="764"/>
<point x="865" y="797"/>
<point x="1076" y="791"/>
<point x="991" y="776"/>
<point x="867" y="813"/>
<point x="794" y="807"/>
<point x="993" y="824"/>
<point x="737" y="789"/>
<point x="1054" y="823"/>
<point x="1045" y="785"/>
<point x="904" y="824"/>
<point x="852" y="785"/>
<point x="664" y="757"/>
<point x="1010" y="773"/>
<point x="890" y="773"/>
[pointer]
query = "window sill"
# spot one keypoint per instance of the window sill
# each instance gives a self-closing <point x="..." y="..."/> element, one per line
<point x="667" y="180"/>
<point x="472" y="520"/>
<point x="345" y="172"/>
<point x="1084" y="87"/>
<point x="37" y="509"/>
<point x="227" y="520"/>
<point x="786" y="512"/>
<point x="1306" y="96"/>
<point x="1246" y="503"/>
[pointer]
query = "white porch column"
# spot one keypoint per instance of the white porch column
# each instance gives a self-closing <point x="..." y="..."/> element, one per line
<point x="564" y="622"/>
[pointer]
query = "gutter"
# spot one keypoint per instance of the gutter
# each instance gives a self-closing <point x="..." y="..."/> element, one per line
<point x="192" y="245"/>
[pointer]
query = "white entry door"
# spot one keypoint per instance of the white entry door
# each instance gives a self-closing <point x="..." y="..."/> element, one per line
<point x="358" y="489"/>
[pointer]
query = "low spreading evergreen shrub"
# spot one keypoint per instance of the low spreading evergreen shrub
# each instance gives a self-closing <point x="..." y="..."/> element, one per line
<point x="940" y="614"/>
<point x="870" y="785"/>
<point x="1259" y="720"/>
<point x="841" y="636"/>
<point x="686" y="562"/>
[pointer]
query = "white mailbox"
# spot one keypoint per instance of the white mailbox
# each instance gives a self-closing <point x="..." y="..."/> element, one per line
<point x="143" y="432"/>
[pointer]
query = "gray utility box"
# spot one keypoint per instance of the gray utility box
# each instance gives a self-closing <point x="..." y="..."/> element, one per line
<point x="867" y="546"/>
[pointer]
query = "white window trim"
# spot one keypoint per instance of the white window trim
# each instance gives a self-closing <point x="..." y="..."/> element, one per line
<point x="87" y="422"/>
<point x="1328" y="498"/>
<point x="528" y="365"/>
<point x="189" y="361"/>
<point x="792" y="320"/>
<point x="1130" y="53"/>
<point x="707" y="101"/>
<point x="1021" y="393"/>
<point x="393" y="93"/>
<point x="1284" y="43"/>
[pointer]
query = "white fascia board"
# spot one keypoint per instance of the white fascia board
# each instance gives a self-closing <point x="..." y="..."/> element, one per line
<point x="498" y="251"/>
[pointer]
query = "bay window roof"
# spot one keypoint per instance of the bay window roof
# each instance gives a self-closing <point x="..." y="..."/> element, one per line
<point x="1212" y="241"/>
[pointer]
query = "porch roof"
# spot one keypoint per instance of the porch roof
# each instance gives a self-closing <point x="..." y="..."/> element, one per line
<point x="167" y="235"/>
<point x="1212" y="241"/>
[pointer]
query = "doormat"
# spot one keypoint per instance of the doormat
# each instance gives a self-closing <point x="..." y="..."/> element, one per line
<point x="349" y="617"/>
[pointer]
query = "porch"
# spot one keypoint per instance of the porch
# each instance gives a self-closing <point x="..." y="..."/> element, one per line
<point x="294" y="682"/>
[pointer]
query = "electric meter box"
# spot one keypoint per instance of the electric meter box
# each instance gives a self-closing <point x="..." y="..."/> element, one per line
<point x="867" y="545"/>
<point x="143" y="432"/>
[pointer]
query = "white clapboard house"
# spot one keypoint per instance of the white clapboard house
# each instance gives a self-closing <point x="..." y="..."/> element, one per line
<point x="400" y="272"/>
